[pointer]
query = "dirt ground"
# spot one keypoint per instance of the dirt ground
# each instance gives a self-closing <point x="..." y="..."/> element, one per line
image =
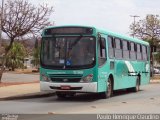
<point x="15" y="83"/>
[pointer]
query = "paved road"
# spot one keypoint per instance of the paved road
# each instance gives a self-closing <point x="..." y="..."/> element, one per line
<point x="13" y="77"/>
<point x="145" y="101"/>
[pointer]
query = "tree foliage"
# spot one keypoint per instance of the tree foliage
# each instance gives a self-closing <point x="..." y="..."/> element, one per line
<point x="147" y="29"/>
<point x="15" y="57"/>
<point x="36" y="54"/>
<point x="157" y="57"/>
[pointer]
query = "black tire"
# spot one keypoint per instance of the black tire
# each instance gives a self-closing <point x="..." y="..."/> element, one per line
<point x="61" y="95"/>
<point x="109" y="92"/>
<point x="137" y="87"/>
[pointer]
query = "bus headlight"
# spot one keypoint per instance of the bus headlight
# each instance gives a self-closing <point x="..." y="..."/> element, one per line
<point x="87" y="78"/>
<point x="45" y="78"/>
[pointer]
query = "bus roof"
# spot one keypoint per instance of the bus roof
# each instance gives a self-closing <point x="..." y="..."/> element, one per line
<point x="125" y="37"/>
<point x="107" y="32"/>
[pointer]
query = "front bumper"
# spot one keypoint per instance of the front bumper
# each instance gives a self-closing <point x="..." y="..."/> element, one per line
<point x="75" y="87"/>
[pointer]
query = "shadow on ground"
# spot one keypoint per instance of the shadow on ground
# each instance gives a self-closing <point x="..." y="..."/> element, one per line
<point x="79" y="97"/>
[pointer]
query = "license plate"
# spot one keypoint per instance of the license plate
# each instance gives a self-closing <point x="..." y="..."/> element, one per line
<point x="65" y="87"/>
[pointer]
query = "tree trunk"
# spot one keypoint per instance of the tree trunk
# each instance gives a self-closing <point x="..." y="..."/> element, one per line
<point x="4" y="59"/>
<point x="13" y="68"/>
<point x="3" y="66"/>
<point x="1" y="73"/>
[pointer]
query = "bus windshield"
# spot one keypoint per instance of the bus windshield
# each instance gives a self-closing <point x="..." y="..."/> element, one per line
<point x="68" y="52"/>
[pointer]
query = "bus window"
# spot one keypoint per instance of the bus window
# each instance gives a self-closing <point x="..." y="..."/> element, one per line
<point x="62" y="51"/>
<point x="139" y="52"/>
<point x="144" y="52"/>
<point x="125" y="49"/>
<point x="118" y="48"/>
<point x="132" y="51"/>
<point x="111" y="47"/>
<point x="102" y="51"/>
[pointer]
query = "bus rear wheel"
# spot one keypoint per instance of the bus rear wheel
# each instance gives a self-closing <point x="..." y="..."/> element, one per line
<point x="137" y="87"/>
<point x="109" y="91"/>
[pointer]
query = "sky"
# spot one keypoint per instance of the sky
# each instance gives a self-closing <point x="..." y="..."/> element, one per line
<point x="114" y="15"/>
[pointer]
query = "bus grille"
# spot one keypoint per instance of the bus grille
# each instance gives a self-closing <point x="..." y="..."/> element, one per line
<point x="66" y="80"/>
<point x="65" y="77"/>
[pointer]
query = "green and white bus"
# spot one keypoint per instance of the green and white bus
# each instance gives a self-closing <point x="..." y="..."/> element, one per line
<point x="85" y="59"/>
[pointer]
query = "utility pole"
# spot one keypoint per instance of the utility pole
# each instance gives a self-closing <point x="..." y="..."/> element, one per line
<point x="134" y="22"/>
<point x="1" y="23"/>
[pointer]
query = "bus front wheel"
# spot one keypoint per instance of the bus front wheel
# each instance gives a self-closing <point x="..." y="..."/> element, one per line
<point x="109" y="91"/>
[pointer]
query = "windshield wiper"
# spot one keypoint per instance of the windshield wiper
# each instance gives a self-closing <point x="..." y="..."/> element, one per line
<point x="76" y="41"/>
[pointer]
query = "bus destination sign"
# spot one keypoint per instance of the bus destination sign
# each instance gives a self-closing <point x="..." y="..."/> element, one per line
<point x="69" y="30"/>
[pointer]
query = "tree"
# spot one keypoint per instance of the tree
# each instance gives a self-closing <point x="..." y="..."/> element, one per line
<point x="15" y="57"/>
<point x="21" y="18"/>
<point x="157" y="57"/>
<point x="36" y="54"/>
<point x="147" y="29"/>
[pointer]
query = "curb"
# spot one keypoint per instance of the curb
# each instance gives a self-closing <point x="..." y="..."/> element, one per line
<point x="29" y="96"/>
<point x="154" y="81"/>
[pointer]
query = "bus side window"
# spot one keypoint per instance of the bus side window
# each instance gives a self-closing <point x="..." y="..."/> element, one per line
<point x="102" y="51"/>
<point x="144" y="52"/>
<point x="147" y="51"/>
<point x="139" y="52"/>
<point x="118" y="48"/>
<point x="132" y="51"/>
<point x="111" y="47"/>
<point x="126" y="48"/>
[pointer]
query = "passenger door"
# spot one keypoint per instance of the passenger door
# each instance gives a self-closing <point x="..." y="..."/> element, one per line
<point x="102" y="62"/>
